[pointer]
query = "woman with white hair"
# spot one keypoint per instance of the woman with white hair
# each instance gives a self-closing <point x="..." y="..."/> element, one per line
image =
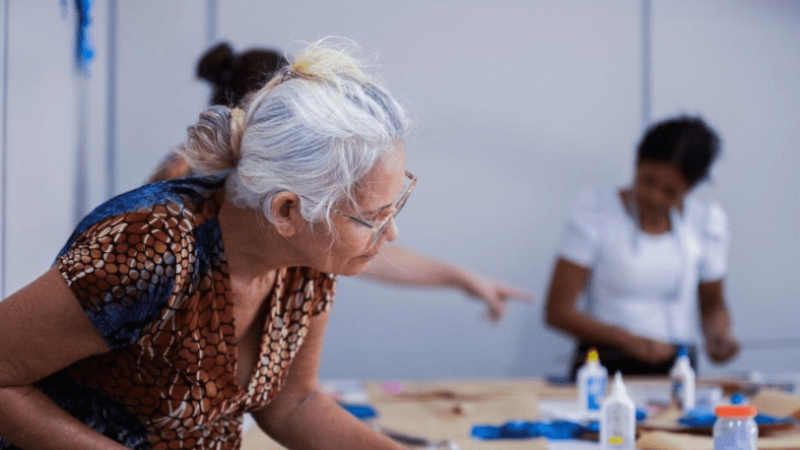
<point x="176" y="308"/>
<point x="233" y="76"/>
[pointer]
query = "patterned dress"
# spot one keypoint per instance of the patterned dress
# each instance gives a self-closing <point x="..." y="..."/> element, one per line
<point x="149" y="269"/>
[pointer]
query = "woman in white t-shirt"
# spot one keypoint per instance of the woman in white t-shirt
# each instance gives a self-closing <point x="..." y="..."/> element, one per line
<point x="648" y="257"/>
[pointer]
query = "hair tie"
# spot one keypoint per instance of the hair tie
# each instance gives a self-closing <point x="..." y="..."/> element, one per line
<point x="237" y="127"/>
<point x="300" y="67"/>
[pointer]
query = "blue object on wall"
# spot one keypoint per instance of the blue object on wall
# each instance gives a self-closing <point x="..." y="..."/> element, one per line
<point x="83" y="45"/>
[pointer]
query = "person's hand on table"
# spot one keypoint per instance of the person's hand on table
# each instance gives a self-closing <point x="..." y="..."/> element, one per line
<point x="721" y="347"/>
<point x="492" y="292"/>
<point x="650" y="351"/>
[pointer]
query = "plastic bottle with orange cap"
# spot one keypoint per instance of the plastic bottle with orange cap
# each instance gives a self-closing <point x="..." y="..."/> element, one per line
<point x="735" y="427"/>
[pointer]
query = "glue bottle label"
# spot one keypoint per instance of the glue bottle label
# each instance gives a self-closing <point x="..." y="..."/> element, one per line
<point x="595" y="390"/>
<point x="677" y="392"/>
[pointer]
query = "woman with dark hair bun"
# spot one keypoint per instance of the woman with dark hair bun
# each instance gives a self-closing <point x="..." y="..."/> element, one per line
<point x="648" y="257"/>
<point x="233" y="76"/>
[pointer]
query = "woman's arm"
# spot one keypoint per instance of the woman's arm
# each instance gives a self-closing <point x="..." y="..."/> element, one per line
<point x="566" y="284"/>
<point x="716" y="321"/>
<point x="399" y="265"/>
<point x="301" y="417"/>
<point x="43" y="330"/>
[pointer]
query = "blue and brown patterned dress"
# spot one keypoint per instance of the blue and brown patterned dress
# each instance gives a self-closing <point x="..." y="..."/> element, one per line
<point x="149" y="269"/>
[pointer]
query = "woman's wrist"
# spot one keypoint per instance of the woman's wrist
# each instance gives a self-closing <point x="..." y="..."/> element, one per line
<point x="456" y="277"/>
<point x="623" y="339"/>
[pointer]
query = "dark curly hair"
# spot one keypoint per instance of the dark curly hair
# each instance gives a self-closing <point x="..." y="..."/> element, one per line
<point x="234" y="75"/>
<point x="687" y="142"/>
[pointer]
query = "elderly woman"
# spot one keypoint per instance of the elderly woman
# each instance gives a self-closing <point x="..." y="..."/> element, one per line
<point x="233" y="76"/>
<point x="176" y="308"/>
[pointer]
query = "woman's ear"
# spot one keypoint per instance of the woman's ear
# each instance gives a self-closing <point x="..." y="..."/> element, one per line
<point x="286" y="215"/>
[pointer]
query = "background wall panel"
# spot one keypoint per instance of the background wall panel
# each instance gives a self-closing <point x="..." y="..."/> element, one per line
<point x="3" y="145"/>
<point x="519" y="107"/>
<point x="41" y="136"/>
<point x="157" y="95"/>
<point x="737" y="63"/>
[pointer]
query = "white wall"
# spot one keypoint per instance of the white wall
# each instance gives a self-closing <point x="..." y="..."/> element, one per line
<point x="519" y="106"/>
<point x="3" y="153"/>
<point x="738" y="64"/>
<point x="157" y="96"/>
<point x="41" y="137"/>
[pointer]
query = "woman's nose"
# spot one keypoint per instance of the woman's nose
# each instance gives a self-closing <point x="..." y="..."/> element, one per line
<point x="391" y="232"/>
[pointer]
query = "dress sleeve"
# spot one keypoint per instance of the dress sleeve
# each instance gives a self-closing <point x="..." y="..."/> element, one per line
<point x="326" y="289"/>
<point x="122" y="270"/>
<point x="581" y="243"/>
<point x="716" y="240"/>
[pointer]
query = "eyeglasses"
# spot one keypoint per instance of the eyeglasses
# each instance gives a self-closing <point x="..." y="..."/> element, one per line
<point x="379" y="227"/>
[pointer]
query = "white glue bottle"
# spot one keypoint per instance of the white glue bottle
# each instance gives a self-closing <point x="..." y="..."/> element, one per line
<point x="618" y="419"/>
<point x="592" y="379"/>
<point x="683" y="381"/>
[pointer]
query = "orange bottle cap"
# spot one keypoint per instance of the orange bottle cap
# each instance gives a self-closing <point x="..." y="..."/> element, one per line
<point x="736" y="411"/>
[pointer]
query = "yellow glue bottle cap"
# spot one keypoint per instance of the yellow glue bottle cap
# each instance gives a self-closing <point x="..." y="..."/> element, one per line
<point x="592" y="356"/>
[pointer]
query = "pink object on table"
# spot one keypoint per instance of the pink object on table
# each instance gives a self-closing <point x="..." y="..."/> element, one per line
<point x="393" y="387"/>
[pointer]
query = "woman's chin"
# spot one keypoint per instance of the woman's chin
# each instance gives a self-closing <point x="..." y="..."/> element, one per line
<point x="357" y="266"/>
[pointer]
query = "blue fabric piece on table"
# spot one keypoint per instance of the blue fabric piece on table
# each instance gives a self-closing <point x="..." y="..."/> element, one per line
<point x="704" y="417"/>
<point x="362" y="412"/>
<point x="557" y="430"/>
<point x="520" y="429"/>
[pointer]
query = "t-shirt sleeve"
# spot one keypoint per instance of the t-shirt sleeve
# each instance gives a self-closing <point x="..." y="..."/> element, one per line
<point x="122" y="271"/>
<point x="581" y="243"/>
<point x="716" y="241"/>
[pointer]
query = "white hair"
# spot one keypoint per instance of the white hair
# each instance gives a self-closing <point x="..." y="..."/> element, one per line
<point x="315" y="130"/>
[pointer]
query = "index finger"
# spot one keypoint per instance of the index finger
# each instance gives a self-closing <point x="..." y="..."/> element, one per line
<point x="510" y="292"/>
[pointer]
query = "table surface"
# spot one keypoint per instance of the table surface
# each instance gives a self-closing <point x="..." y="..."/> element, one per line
<point x="447" y="409"/>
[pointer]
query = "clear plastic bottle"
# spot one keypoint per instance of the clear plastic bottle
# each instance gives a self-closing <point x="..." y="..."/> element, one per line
<point x="735" y="428"/>
<point x="592" y="380"/>
<point x="683" y="381"/>
<point x="618" y="419"/>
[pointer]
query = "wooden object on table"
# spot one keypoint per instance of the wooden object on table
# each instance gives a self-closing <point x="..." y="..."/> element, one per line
<point x="505" y="444"/>
<point x="667" y="420"/>
<point x="255" y="439"/>
<point x="777" y="403"/>
<point x="447" y="409"/>
<point x="673" y="436"/>
<point x="663" y="440"/>
<point x="453" y="390"/>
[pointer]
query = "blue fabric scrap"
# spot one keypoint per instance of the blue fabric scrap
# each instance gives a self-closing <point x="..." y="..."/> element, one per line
<point x="556" y="430"/>
<point x="704" y="417"/>
<point x="362" y="412"/>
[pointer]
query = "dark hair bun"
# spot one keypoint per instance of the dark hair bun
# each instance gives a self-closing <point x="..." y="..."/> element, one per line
<point x="218" y="65"/>
<point x="234" y="75"/>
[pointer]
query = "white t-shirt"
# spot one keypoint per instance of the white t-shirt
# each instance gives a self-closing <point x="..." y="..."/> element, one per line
<point x="642" y="282"/>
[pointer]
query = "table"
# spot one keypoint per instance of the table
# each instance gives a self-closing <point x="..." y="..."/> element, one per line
<point x="447" y="409"/>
